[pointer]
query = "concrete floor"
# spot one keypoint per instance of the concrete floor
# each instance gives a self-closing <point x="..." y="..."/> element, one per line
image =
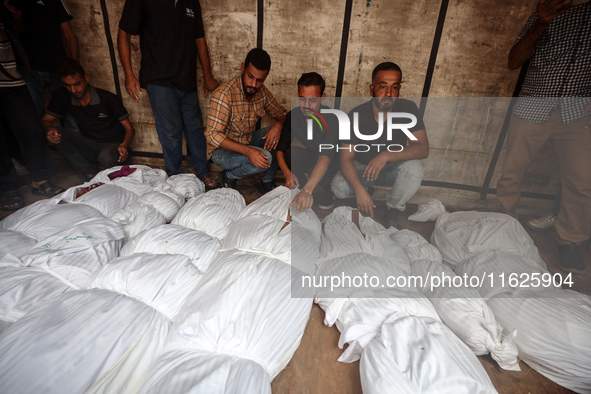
<point x="314" y="368"/>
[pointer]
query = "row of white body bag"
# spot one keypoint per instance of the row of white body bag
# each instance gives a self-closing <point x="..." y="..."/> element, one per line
<point x="412" y="337"/>
<point x="202" y="304"/>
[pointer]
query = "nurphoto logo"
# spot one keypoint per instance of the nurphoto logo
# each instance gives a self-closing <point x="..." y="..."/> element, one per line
<point x="345" y="130"/>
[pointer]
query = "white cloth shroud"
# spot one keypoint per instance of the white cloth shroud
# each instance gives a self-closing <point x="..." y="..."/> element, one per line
<point x="553" y="325"/>
<point x="211" y="212"/>
<point x="242" y="308"/>
<point x="460" y="308"/>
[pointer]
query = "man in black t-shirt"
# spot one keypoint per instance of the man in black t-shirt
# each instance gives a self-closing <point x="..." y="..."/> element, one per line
<point x="392" y="162"/>
<point x="297" y="155"/>
<point x="105" y="130"/>
<point x="171" y="38"/>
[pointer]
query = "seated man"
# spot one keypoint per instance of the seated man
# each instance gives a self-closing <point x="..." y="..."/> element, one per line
<point x="297" y="153"/>
<point x="106" y="131"/>
<point x="383" y="164"/>
<point x="235" y="108"/>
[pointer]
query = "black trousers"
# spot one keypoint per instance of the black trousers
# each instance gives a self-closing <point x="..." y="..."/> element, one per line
<point x="17" y="108"/>
<point x="302" y="161"/>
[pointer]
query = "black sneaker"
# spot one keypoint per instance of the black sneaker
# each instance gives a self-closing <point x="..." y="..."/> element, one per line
<point x="225" y="181"/>
<point x="570" y="259"/>
<point x="326" y="200"/>
<point x="266" y="187"/>
<point x="392" y="218"/>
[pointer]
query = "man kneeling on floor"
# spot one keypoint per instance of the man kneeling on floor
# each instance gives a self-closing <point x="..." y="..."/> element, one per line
<point x="375" y="163"/>
<point x="235" y="108"/>
<point x="300" y="153"/>
<point x="106" y="131"/>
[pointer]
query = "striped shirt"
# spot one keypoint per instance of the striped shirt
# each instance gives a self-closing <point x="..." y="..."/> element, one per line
<point x="8" y="62"/>
<point x="232" y="116"/>
<point x="560" y="68"/>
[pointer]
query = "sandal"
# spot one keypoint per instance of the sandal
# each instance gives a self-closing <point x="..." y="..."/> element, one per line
<point x="11" y="201"/>
<point x="210" y="182"/>
<point x="47" y="189"/>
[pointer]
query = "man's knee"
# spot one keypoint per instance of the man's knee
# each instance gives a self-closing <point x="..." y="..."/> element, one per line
<point x="109" y="157"/>
<point x="340" y="187"/>
<point x="412" y="168"/>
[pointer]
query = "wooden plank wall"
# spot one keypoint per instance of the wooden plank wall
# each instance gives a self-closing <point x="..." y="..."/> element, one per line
<point x="446" y="48"/>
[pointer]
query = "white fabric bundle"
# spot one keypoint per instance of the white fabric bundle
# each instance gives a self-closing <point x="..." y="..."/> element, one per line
<point x="257" y="228"/>
<point x="340" y="236"/>
<point x="554" y="329"/>
<point x="274" y="204"/>
<point x="107" y="199"/>
<point x="460" y="235"/>
<point x="75" y="253"/>
<point x="243" y="308"/>
<point x="138" y="217"/>
<point x="192" y="371"/>
<point x="435" y="362"/>
<point x="24" y="288"/>
<point x="187" y="185"/>
<point x="47" y="217"/>
<point x="140" y="181"/>
<point x="164" y="199"/>
<point x="494" y="270"/>
<point x="15" y="243"/>
<point x="428" y="212"/>
<point x="460" y="308"/>
<point x="211" y="212"/>
<point x="174" y="239"/>
<point x="553" y="325"/>
<point x="306" y="234"/>
<point x="82" y="341"/>
<point x="161" y="281"/>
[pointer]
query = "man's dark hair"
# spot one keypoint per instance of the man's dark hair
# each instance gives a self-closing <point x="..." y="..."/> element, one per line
<point x="312" y="79"/>
<point x="259" y="58"/>
<point x="69" y="68"/>
<point x="385" y="66"/>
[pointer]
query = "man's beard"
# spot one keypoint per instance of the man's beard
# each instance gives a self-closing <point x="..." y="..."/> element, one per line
<point x="384" y="103"/>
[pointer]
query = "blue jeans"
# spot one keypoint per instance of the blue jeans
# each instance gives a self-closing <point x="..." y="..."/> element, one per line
<point x="238" y="166"/>
<point x="404" y="176"/>
<point x="37" y="81"/>
<point x="176" y="112"/>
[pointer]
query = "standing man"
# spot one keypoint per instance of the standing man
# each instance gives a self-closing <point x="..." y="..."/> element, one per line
<point x="400" y="168"/>
<point x="17" y="107"/>
<point x="554" y="106"/>
<point x="297" y="153"/>
<point x="235" y="108"/>
<point x="171" y="37"/>
<point x="105" y="130"/>
<point x="48" y="39"/>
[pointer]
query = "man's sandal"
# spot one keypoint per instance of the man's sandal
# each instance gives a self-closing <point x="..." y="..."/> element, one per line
<point x="47" y="189"/>
<point x="11" y="201"/>
<point x="210" y="182"/>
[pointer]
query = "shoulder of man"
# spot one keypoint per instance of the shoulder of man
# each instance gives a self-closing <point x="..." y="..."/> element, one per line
<point x="361" y="108"/>
<point x="224" y="91"/>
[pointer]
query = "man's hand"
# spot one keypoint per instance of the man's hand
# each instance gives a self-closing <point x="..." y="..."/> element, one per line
<point x="272" y="137"/>
<point x="374" y="167"/>
<point x="258" y="158"/>
<point x="549" y="9"/>
<point x="365" y="203"/>
<point x="291" y="181"/>
<point x="123" y="153"/>
<point x="303" y="201"/>
<point x="587" y="109"/>
<point x="132" y="85"/>
<point x="54" y="136"/>
<point x="209" y="85"/>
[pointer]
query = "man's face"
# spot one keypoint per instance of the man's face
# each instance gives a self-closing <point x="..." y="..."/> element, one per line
<point x="252" y="79"/>
<point x="310" y="99"/>
<point x="385" y="89"/>
<point x="76" y="85"/>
